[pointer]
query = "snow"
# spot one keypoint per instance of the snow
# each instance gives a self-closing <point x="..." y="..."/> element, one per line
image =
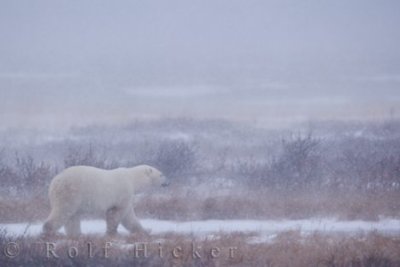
<point x="266" y="228"/>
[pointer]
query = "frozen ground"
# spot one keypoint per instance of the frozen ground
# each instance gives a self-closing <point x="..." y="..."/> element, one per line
<point x="266" y="228"/>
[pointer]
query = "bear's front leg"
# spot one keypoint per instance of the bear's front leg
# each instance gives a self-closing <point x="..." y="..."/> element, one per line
<point x="114" y="216"/>
<point x="131" y="222"/>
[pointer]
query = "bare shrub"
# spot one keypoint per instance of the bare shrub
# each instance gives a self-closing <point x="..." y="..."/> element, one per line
<point x="251" y="172"/>
<point x="298" y="165"/>
<point x="365" y="164"/>
<point x="31" y="174"/>
<point x="25" y="176"/>
<point x="9" y="179"/>
<point x="175" y="158"/>
<point x="87" y="155"/>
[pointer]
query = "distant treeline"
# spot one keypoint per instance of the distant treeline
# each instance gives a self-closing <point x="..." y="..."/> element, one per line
<point x="334" y="155"/>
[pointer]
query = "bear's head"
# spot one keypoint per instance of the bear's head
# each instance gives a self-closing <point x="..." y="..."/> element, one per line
<point x="156" y="177"/>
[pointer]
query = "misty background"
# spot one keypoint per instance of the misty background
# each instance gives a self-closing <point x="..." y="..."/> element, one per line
<point x="239" y="103"/>
<point x="272" y="63"/>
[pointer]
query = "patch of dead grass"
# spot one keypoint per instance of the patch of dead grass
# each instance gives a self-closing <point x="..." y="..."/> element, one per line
<point x="286" y="249"/>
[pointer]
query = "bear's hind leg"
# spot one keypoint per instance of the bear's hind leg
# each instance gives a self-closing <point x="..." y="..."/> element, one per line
<point x="54" y="222"/>
<point x="73" y="226"/>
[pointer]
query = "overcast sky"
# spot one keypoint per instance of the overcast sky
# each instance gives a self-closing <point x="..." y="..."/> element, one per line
<point x="72" y="62"/>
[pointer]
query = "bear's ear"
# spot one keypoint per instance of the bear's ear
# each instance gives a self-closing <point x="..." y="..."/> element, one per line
<point x="149" y="171"/>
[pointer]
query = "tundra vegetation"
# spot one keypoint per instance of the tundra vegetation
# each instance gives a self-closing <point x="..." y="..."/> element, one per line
<point x="221" y="170"/>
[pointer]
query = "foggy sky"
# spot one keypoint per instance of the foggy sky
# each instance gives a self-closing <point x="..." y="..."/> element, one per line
<point x="74" y="62"/>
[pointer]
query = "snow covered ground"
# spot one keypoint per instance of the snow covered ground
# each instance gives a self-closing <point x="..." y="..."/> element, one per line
<point x="204" y="228"/>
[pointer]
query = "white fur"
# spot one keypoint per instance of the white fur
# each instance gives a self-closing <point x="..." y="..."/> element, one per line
<point x="84" y="190"/>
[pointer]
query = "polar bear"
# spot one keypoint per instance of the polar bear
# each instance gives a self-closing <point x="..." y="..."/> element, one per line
<point x="84" y="190"/>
